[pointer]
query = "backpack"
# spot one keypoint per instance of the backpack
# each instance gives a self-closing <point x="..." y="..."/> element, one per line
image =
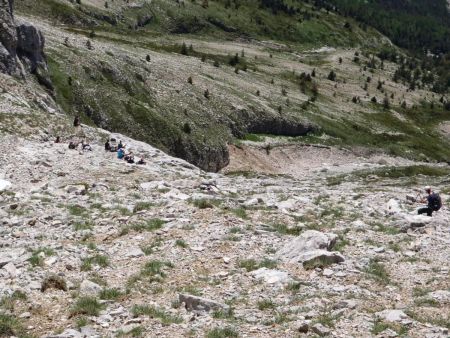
<point x="435" y="202"/>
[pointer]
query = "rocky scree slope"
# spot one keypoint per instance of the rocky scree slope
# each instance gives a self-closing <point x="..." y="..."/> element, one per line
<point x="92" y="246"/>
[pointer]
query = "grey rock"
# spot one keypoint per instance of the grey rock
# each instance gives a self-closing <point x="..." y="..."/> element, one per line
<point x="392" y="315"/>
<point x="310" y="240"/>
<point x="320" y="258"/>
<point x="273" y="277"/>
<point x="200" y="304"/>
<point x="320" y="330"/>
<point x="68" y="333"/>
<point x="89" y="288"/>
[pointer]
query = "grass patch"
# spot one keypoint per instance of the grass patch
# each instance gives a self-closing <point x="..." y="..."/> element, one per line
<point x="266" y="304"/>
<point x="240" y="212"/>
<point x="154" y="312"/>
<point x="100" y="260"/>
<point x="180" y="243"/>
<point x="251" y="264"/>
<point x="149" y="225"/>
<point x="76" y="210"/>
<point x="426" y="302"/>
<point x="89" y="306"/>
<point x="142" y="206"/>
<point x="377" y="271"/>
<point x="379" y="326"/>
<point x="38" y="256"/>
<point x="224" y="314"/>
<point x="286" y="230"/>
<point x="110" y="294"/>
<point x="11" y="326"/>
<point x="78" y="226"/>
<point x="222" y="332"/>
<point x="152" y="271"/>
<point x="205" y="203"/>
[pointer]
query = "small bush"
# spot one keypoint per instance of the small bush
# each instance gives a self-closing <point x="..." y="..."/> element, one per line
<point x="110" y="294"/>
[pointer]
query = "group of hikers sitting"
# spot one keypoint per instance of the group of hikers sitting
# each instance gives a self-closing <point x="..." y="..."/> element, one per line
<point x="111" y="145"/>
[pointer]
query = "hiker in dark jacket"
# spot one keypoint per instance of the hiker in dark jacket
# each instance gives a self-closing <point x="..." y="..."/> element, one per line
<point x="76" y="121"/>
<point x="434" y="202"/>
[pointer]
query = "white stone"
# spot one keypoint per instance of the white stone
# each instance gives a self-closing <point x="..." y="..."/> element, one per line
<point x="272" y="277"/>
<point x="89" y="288"/>
<point x="392" y="315"/>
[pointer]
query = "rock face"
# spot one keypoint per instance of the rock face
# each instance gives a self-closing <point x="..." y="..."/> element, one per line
<point x="21" y="46"/>
<point x="8" y="38"/>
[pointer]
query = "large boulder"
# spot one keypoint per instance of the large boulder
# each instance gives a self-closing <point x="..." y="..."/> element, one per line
<point x="311" y="249"/>
<point x="30" y="46"/>
<point x="310" y="240"/>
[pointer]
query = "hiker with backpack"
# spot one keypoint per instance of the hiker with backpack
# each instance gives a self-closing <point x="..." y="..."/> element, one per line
<point x="434" y="202"/>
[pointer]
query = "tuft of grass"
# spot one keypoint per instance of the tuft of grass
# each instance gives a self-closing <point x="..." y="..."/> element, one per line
<point x="266" y="304"/>
<point x="426" y="302"/>
<point x="251" y="264"/>
<point x="224" y="314"/>
<point x="37" y="256"/>
<point x="100" y="260"/>
<point x="222" y="332"/>
<point x="110" y="294"/>
<point x="240" y="212"/>
<point x="81" y="322"/>
<point x="78" y="226"/>
<point x="154" y="312"/>
<point x="7" y="302"/>
<point x="76" y="210"/>
<point x="149" y="225"/>
<point x="142" y="206"/>
<point x="86" y="305"/>
<point x="204" y="203"/>
<point x="248" y="264"/>
<point x="379" y="326"/>
<point x="10" y="326"/>
<point x="377" y="271"/>
<point x="181" y="243"/>
<point x="286" y="230"/>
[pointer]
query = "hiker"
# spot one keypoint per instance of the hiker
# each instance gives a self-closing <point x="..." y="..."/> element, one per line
<point x="129" y="157"/>
<point x="107" y="146"/>
<point x="58" y="139"/>
<point x="141" y="161"/>
<point x="120" y="153"/>
<point x="120" y="146"/>
<point x="434" y="202"/>
<point x="72" y="145"/>
<point x="76" y="121"/>
<point x="86" y="146"/>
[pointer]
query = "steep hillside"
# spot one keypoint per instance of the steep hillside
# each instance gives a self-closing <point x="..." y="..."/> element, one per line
<point x="135" y="76"/>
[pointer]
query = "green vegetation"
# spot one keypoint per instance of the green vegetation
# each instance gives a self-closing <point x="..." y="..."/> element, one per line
<point x="110" y="294"/>
<point x="224" y="332"/>
<point x="100" y="260"/>
<point x="380" y="326"/>
<point x="142" y="206"/>
<point x="38" y="256"/>
<point x="286" y="230"/>
<point x="266" y="304"/>
<point x="149" y="225"/>
<point x="377" y="271"/>
<point x="251" y="264"/>
<point x="11" y="326"/>
<point x="89" y="306"/>
<point x="153" y="312"/>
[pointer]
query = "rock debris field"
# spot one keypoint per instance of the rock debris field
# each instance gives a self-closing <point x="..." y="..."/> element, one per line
<point x="91" y="246"/>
